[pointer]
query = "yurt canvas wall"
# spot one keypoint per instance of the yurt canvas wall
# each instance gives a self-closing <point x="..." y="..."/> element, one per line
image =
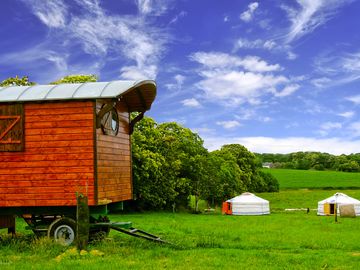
<point x="246" y="204"/>
<point x="327" y="207"/>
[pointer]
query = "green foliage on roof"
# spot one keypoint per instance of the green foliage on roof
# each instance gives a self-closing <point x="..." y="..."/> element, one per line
<point x="16" y="81"/>
<point x="81" y="78"/>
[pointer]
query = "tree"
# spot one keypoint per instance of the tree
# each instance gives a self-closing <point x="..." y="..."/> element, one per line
<point x="79" y="78"/>
<point x="16" y="81"/>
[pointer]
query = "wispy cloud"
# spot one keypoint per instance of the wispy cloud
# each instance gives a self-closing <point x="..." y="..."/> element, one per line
<point x="335" y="69"/>
<point x="254" y="44"/>
<point x="309" y="15"/>
<point x="237" y="80"/>
<point x="177" y="85"/>
<point x="355" y="129"/>
<point x="328" y="127"/>
<point x="52" y="13"/>
<point x="354" y="99"/>
<point x="228" y="124"/>
<point x="248" y="15"/>
<point x="191" y="102"/>
<point x="102" y="35"/>
<point x="320" y="82"/>
<point x="224" y="60"/>
<point x="348" y="114"/>
<point x="178" y="17"/>
<point x="153" y="7"/>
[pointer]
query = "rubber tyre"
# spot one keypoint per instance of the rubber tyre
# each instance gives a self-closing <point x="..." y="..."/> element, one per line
<point x="63" y="231"/>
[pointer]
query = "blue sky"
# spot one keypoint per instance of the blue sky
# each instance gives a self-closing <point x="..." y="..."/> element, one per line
<point x="275" y="76"/>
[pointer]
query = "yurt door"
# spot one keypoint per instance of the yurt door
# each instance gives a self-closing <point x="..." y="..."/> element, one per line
<point x="226" y="208"/>
<point x="332" y="209"/>
<point x="326" y="209"/>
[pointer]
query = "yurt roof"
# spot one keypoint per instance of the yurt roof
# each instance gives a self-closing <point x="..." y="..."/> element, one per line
<point x="247" y="197"/>
<point x="340" y="198"/>
<point x="138" y="95"/>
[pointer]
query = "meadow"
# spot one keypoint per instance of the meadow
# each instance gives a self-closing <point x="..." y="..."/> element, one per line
<point x="282" y="240"/>
<point x="311" y="179"/>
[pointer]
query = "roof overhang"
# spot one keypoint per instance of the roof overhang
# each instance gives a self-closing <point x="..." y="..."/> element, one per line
<point x="138" y="95"/>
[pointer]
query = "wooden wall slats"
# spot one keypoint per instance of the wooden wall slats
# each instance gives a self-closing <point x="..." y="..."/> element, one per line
<point x="81" y="109"/>
<point x="61" y="105"/>
<point x="45" y="163"/>
<point x="13" y="179"/>
<point x="60" y="124"/>
<point x="60" y="137"/>
<point x="58" y="158"/>
<point x="114" y="161"/>
<point x="57" y="131"/>
<point x="48" y="157"/>
<point x="58" y="117"/>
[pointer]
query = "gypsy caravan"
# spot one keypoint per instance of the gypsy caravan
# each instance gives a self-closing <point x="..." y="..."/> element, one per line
<point x="59" y="140"/>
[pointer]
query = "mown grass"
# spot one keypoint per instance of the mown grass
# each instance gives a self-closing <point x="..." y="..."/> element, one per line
<point x="282" y="240"/>
<point x="295" y="179"/>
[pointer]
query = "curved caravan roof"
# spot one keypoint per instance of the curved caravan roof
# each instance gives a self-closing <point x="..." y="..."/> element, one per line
<point x="138" y="95"/>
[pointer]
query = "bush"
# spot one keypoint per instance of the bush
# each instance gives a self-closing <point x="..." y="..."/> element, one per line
<point x="271" y="183"/>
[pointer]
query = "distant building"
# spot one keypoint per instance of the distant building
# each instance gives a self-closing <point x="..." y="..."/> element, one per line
<point x="268" y="165"/>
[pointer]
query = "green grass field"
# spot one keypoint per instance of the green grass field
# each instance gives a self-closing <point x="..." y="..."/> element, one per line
<point x="206" y="241"/>
<point x="295" y="179"/>
<point x="282" y="240"/>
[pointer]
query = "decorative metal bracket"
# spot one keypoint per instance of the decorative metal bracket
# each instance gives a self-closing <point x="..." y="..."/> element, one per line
<point x="134" y="121"/>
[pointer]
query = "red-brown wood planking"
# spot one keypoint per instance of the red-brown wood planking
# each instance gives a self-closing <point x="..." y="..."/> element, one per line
<point x="114" y="161"/>
<point x="64" y="154"/>
<point x="58" y="157"/>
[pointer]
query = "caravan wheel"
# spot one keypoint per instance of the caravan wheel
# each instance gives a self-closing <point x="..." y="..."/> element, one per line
<point x="63" y="230"/>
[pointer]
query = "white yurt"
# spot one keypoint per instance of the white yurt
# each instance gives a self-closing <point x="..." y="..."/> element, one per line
<point x="246" y="204"/>
<point x="327" y="207"/>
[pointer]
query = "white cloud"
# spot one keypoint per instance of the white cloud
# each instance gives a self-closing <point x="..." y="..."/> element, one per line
<point x="320" y="82"/>
<point x="342" y="69"/>
<point x="336" y="146"/>
<point x="355" y="129"/>
<point x="354" y="99"/>
<point x="327" y="127"/>
<point x="288" y="90"/>
<point x="228" y="124"/>
<point x="51" y="13"/>
<point x="309" y="15"/>
<point x="153" y="7"/>
<point x="254" y="44"/>
<point x="179" y="81"/>
<point x="291" y="55"/>
<point x="178" y="16"/>
<point x="265" y="119"/>
<point x="347" y="114"/>
<point x="102" y="35"/>
<point x="191" y="102"/>
<point x="331" y="125"/>
<point x="138" y="73"/>
<point x="237" y="86"/>
<point x="237" y="80"/>
<point x="247" y="15"/>
<point x="223" y="60"/>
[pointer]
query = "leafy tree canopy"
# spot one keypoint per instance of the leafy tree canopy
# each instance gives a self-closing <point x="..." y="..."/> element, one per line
<point x="16" y="81"/>
<point x="79" y="78"/>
